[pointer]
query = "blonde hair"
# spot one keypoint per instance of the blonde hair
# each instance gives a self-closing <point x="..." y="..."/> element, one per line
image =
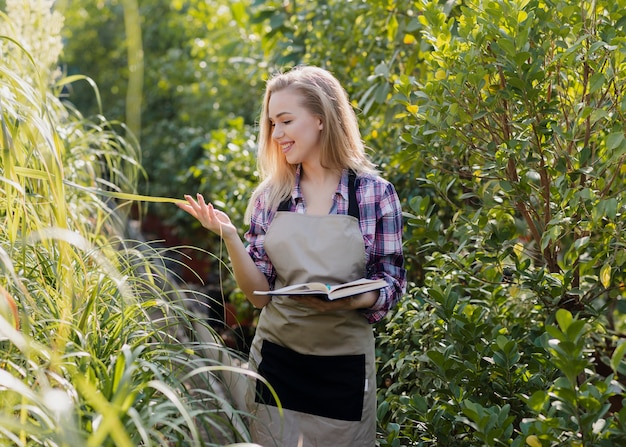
<point x="341" y="143"/>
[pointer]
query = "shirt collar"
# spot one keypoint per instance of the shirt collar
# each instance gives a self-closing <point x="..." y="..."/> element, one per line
<point x="297" y="191"/>
<point x="342" y="188"/>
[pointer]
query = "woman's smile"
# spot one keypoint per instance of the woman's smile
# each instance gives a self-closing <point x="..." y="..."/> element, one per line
<point x="286" y="146"/>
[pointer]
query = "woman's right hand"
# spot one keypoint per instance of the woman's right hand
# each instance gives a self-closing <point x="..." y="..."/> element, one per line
<point x="210" y="218"/>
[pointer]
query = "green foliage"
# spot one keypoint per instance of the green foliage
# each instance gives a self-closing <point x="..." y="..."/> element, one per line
<point x="491" y="372"/>
<point x="468" y="357"/>
<point x="368" y="46"/>
<point x="501" y="125"/>
<point x="202" y="69"/>
<point x="96" y="351"/>
<point x="526" y="141"/>
<point x="223" y="157"/>
<point x="578" y="407"/>
<point x="516" y="135"/>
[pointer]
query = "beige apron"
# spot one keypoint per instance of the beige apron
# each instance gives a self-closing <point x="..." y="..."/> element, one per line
<point x="320" y="364"/>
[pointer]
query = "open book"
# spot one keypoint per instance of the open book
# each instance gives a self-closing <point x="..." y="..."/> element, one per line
<point x="327" y="291"/>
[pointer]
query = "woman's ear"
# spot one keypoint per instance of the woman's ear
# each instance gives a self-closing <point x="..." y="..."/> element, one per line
<point x="320" y="124"/>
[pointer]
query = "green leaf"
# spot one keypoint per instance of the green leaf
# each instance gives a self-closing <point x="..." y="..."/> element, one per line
<point x="576" y="331"/>
<point x="605" y="275"/>
<point x="238" y="10"/>
<point x="614" y="140"/>
<point x="564" y="318"/>
<point x="419" y="403"/>
<point x="437" y="358"/>
<point x="596" y="82"/>
<point x="549" y="236"/>
<point x="618" y="356"/>
<point x="502" y="341"/>
<point x="537" y="401"/>
<point x="123" y="195"/>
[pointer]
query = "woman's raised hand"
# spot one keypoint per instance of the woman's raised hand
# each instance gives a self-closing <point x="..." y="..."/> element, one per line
<point x="214" y="220"/>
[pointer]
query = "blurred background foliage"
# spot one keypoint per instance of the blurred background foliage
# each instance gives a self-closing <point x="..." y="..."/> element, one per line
<point x="501" y="123"/>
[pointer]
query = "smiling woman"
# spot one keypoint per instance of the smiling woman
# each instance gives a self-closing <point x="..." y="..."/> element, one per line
<point x="320" y="214"/>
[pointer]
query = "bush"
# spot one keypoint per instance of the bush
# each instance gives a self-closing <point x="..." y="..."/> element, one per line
<point x="513" y="336"/>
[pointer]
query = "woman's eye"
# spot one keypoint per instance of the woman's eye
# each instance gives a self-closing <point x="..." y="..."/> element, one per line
<point x="273" y="124"/>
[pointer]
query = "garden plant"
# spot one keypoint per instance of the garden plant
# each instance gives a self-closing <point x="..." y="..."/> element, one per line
<point x="99" y="348"/>
<point x="501" y="123"/>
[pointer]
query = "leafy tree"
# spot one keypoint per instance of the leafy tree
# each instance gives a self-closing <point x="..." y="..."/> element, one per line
<point x="518" y="139"/>
<point x="521" y="126"/>
<point x="201" y="71"/>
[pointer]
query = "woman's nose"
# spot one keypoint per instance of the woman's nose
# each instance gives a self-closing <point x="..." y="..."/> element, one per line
<point x="277" y="132"/>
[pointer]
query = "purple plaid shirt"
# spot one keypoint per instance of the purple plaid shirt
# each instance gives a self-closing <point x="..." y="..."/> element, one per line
<point x="381" y="225"/>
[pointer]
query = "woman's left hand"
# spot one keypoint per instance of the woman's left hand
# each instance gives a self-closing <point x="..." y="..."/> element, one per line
<point x="362" y="301"/>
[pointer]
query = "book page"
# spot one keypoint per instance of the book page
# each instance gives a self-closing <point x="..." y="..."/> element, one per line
<point x="333" y="292"/>
<point x="357" y="289"/>
<point x="313" y="287"/>
<point x="370" y="284"/>
<point x="316" y="287"/>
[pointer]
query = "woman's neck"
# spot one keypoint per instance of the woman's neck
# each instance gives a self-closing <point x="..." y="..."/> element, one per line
<point x="317" y="175"/>
<point x="318" y="189"/>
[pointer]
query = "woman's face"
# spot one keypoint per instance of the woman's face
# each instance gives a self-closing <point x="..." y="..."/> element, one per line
<point x="295" y="130"/>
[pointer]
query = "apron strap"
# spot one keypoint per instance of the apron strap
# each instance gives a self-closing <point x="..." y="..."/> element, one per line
<point x="285" y="205"/>
<point x="353" y="204"/>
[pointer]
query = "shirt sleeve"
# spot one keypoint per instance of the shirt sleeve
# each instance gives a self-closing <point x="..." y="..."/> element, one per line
<point x="386" y="259"/>
<point x="255" y="237"/>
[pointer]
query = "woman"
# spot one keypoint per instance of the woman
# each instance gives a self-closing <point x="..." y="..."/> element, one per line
<point x="321" y="213"/>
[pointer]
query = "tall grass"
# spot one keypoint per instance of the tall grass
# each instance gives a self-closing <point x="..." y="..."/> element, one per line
<point x="103" y="349"/>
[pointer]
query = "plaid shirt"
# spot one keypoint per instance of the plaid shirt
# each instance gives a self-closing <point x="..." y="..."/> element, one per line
<point x="381" y="225"/>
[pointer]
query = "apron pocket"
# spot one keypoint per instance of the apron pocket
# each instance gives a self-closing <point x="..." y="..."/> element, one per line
<point x="328" y="386"/>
